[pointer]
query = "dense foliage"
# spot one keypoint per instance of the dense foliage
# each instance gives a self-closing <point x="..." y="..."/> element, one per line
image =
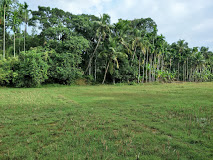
<point x="63" y="47"/>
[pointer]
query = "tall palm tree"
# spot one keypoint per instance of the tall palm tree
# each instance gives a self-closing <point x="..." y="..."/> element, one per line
<point x="104" y="27"/>
<point x="199" y="62"/>
<point x="160" y="47"/>
<point x="15" y="24"/>
<point x="26" y="17"/>
<point x="144" y="45"/>
<point x="5" y="5"/>
<point x="112" y="55"/>
<point x="20" y="12"/>
<point x="181" y="47"/>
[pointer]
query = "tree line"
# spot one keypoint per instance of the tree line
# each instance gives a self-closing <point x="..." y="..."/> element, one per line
<point x="65" y="48"/>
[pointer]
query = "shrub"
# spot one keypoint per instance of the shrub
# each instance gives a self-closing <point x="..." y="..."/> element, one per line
<point x="7" y="71"/>
<point x="32" y="68"/>
<point x="64" y="68"/>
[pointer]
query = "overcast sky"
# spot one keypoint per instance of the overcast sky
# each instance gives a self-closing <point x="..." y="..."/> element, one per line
<point x="191" y="20"/>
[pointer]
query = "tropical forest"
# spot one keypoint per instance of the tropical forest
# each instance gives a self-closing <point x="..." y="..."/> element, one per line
<point x="77" y="86"/>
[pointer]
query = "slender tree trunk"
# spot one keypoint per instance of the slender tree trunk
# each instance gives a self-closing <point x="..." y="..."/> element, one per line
<point x="113" y="75"/>
<point x="95" y="67"/>
<point x="90" y="70"/>
<point x="133" y="56"/>
<point x="150" y="68"/>
<point x="192" y="78"/>
<point x="144" y="60"/>
<point x="139" y="69"/>
<point x="162" y="63"/>
<point x="196" y="74"/>
<point x="178" y="71"/>
<point x="154" y="67"/>
<point x="158" y="66"/>
<point x="105" y="73"/>
<point x="90" y="59"/>
<point x="183" y="72"/>
<point x="19" y="39"/>
<point x="147" y="67"/>
<point x="187" y="74"/>
<point x="14" y="45"/>
<point x="25" y="31"/>
<point x="4" y="33"/>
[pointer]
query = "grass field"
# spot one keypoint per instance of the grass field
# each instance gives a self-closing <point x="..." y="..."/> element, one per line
<point x="164" y="121"/>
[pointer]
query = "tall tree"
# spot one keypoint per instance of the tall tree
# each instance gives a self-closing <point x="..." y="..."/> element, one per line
<point x="103" y="29"/>
<point x="111" y="56"/>
<point x="5" y="5"/>
<point x="26" y="17"/>
<point x="15" y="24"/>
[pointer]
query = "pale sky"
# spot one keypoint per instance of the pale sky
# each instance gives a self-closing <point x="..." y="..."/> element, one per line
<point x="191" y="20"/>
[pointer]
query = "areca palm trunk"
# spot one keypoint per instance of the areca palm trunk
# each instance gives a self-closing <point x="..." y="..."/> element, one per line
<point x="113" y="76"/>
<point x="14" y="44"/>
<point x="95" y="67"/>
<point x="183" y="72"/>
<point x="187" y="73"/>
<point x="150" y="69"/>
<point x="139" y="69"/>
<point x="196" y="75"/>
<point x="90" y="60"/>
<point x="25" y="31"/>
<point x="144" y="67"/>
<point x="158" y="66"/>
<point x="162" y="63"/>
<point x="4" y="32"/>
<point x="178" y="71"/>
<point x="19" y="39"/>
<point x="105" y="73"/>
<point x="133" y="56"/>
<point x="154" y="65"/>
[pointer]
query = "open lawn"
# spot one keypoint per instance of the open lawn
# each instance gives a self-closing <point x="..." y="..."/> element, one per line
<point x="164" y="121"/>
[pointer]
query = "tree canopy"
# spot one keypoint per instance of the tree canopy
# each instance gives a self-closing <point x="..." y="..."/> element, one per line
<point x="63" y="47"/>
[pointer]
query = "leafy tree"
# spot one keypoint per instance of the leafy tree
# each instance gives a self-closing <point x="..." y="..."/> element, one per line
<point x="32" y="68"/>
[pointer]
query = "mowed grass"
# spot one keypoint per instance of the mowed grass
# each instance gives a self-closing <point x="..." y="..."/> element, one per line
<point x="165" y="121"/>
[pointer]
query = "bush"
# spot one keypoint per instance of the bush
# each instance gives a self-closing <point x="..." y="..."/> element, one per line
<point x="166" y="76"/>
<point x="7" y="71"/>
<point x="64" y="68"/>
<point x="32" y="68"/>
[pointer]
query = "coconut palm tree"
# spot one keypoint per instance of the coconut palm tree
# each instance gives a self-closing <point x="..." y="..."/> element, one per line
<point x="104" y="27"/>
<point x="111" y="55"/>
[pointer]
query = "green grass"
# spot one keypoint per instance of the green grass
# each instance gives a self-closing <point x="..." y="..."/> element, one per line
<point x="165" y="121"/>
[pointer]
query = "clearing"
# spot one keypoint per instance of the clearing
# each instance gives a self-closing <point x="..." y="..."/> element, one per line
<point x="162" y="121"/>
